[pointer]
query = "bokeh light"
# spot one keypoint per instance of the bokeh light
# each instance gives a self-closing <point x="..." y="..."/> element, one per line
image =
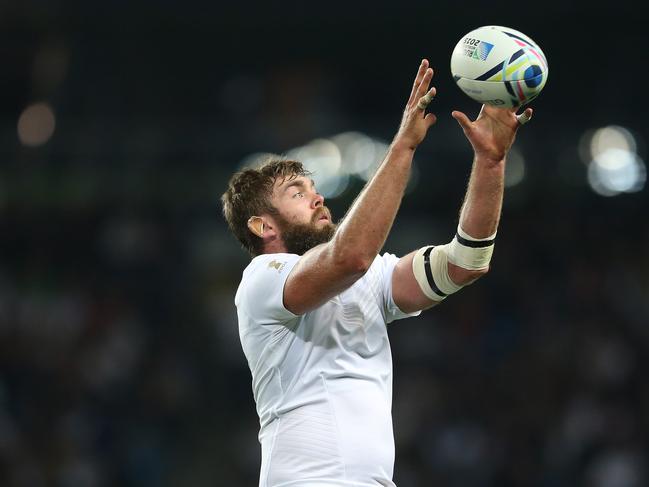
<point x="515" y="168"/>
<point x="255" y="159"/>
<point x="361" y="154"/>
<point x="335" y="161"/>
<point x="614" y="166"/>
<point x="322" y="158"/>
<point x="36" y="124"/>
<point x="616" y="171"/>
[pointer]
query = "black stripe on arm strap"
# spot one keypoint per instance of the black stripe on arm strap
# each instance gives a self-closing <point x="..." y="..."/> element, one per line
<point x="429" y="274"/>
<point x="473" y="243"/>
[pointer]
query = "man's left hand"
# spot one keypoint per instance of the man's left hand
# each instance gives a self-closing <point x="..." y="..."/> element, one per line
<point x="493" y="132"/>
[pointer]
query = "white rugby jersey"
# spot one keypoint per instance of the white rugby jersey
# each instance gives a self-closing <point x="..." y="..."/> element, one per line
<point x="322" y="381"/>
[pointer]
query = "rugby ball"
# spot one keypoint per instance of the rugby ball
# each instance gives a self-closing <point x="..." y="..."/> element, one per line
<point x="499" y="66"/>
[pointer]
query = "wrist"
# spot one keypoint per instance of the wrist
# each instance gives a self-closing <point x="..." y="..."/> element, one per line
<point x="399" y="144"/>
<point x="490" y="160"/>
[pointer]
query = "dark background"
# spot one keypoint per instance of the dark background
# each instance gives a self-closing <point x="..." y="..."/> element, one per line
<point x="120" y="362"/>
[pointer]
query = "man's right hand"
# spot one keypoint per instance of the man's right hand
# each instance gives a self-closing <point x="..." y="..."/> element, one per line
<point x="328" y="269"/>
<point x="416" y="122"/>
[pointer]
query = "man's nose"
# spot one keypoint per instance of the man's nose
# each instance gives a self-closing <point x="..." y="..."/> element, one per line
<point x="318" y="200"/>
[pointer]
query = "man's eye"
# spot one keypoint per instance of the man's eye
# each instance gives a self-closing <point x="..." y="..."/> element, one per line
<point x="299" y="193"/>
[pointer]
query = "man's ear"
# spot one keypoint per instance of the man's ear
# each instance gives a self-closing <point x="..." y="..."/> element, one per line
<point x="256" y="226"/>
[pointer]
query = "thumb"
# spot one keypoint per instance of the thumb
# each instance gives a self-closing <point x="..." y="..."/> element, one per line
<point x="430" y="120"/>
<point x="462" y="119"/>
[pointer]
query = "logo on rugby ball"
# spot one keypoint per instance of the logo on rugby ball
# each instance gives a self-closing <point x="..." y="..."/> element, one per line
<point x="477" y="49"/>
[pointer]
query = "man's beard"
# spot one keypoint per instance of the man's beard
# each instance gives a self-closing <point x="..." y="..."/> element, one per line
<point x="300" y="237"/>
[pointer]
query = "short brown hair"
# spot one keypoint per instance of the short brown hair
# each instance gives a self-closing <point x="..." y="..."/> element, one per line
<point x="248" y="194"/>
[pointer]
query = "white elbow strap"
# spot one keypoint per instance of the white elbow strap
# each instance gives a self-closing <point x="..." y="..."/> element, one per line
<point x="430" y="267"/>
<point x="430" y="264"/>
<point x="470" y="253"/>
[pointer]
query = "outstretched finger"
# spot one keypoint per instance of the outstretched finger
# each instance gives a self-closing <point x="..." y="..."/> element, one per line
<point x="425" y="100"/>
<point x="425" y="82"/>
<point x="462" y="119"/>
<point x="420" y="75"/>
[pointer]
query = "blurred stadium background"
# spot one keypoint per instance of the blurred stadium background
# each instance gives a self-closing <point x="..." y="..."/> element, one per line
<point x="120" y="123"/>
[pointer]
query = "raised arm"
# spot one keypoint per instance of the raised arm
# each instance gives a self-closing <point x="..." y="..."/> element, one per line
<point x="491" y="135"/>
<point x="328" y="269"/>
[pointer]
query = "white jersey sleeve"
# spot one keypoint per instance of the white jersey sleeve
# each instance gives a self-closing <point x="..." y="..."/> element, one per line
<point x="261" y="294"/>
<point x="390" y="308"/>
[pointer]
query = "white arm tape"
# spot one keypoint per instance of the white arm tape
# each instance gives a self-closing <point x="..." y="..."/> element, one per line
<point x="430" y="267"/>
<point x="470" y="253"/>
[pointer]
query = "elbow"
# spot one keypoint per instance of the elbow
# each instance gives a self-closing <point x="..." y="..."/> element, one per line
<point x="362" y="265"/>
<point x="348" y="257"/>
<point x="355" y="264"/>
<point x="464" y="277"/>
<point x="352" y="262"/>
